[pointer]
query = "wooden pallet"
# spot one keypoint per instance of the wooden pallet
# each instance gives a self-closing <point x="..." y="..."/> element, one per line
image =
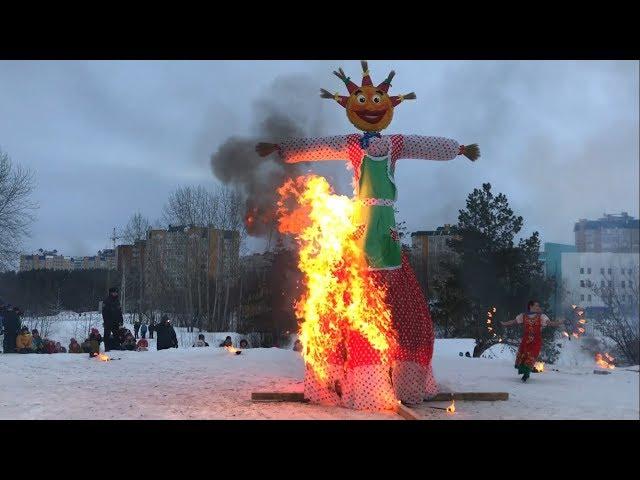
<point x="440" y="397"/>
<point x="469" y="396"/>
<point x="278" y="397"/>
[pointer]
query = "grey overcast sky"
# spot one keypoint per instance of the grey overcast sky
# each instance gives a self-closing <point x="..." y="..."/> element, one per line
<point x="108" y="138"/>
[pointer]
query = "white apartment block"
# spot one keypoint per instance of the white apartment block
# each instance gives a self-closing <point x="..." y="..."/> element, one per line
<point x="584" y="271"/>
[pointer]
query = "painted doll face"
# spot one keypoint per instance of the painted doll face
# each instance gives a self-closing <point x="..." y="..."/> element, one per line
<point x="369" y="109"/>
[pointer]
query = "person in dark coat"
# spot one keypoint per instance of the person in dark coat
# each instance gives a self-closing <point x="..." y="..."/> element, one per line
<point x="112" y="318"/>
<point x="166" y="335"/>
<point x="227" y="342"/>
<point x="152" y="327"/>
<point x="11" y="323"/>
<point x="143" y="330"/>
<point x="136" y="328"/>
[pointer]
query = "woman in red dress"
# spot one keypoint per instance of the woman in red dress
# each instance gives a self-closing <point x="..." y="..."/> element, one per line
<point x="534" y="321"/>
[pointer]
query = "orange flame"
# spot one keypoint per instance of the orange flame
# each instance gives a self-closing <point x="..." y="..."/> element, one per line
<point x="231" y="349"/>
<point x="104" y="358"/>
<point x="605" y="363"/>
<point x="539" y="366"/>
<point x="452" y="408"/>
<point x="338" y="295"/>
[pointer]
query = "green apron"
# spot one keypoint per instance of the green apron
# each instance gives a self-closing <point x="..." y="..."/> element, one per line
<point x="378" y="221"/>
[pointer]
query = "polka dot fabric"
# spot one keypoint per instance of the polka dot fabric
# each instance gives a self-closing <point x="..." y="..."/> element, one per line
<point x="358" y="377"/>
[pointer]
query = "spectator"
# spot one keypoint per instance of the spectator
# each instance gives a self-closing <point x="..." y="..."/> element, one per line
<point x="227" y="342"/>
<point x="136" y="328"/>
<point x="60" y="348"/>
<point x="38" y="343"/>
<point x="24" y="341"/>
<point x="112" y="317"/>
<point x="74" y="346"/>
<point x="297" y="346"/>
<point x="94" y="342"/>
<point x="11" y="329"/>
<point x="152" y="327"/>
<point x="201" y="342"/>
<point x="166" y="335"/>
<point x="143" y="330"/>
<point x="129" y="342"/>
<point x="143" y="345"/>
<point x="244" y="344"/>
<point x="48" y="346"/>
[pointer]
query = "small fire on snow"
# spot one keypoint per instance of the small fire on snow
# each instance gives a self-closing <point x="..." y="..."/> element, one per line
<point x="605" y="361"/>
<point x="539" y="366"/>
<point x="104" y="358"/>
<point x="452" y="408"/>
<point x="233" y="350"/>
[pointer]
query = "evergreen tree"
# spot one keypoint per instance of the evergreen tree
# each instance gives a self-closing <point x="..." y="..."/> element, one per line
<point x="490" y="271"/>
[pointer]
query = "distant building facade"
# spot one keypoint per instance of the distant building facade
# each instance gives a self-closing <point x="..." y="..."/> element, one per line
<point x="617" y="233"/>
<point x="584" y="273"/>
<point x="428" y="250"/>
<point x="551" y="258"/>
<point x="52" y="261"/>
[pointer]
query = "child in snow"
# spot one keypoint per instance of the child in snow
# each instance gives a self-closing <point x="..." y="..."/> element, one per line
<point x="24" y="341"/>
<point x="48" y="346"/>
<point x="74" y="346"/>
<point x="227" y="342"/>
<point x="143" y="345"/>
<point x="38" y="343"/>
<point x="201" y="342"/>
<point x="129" y="342"/>
<point x="244" y="344"/>
<point x="60" y="348"/>
<point x="94" y="342"/>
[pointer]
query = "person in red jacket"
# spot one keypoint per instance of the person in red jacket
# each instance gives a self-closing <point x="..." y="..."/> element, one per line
<point x="142" y="345"/>
<point x="533" y="321"/>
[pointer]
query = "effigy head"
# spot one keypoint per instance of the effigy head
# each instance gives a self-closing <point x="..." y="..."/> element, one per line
<point x="369" y="108"/>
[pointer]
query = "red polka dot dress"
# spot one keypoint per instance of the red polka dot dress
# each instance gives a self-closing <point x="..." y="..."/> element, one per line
<point x="359" y="378"/>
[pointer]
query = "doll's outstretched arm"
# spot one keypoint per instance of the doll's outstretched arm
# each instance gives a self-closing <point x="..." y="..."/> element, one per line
<point x="313" y="149"/>
<point x="436" y="148"/>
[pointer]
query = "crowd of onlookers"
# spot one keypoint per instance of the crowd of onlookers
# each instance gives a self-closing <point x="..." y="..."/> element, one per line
<point x="18" y="338"/>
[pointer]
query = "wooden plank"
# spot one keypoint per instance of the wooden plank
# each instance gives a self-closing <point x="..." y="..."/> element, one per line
<point x="440" y="397"/>
<point x="278" y="397"/>
<point x="407" y="413"/>
<point x="469" y="396"/>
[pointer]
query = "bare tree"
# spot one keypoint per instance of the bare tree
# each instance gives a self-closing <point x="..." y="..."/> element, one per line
<point x="16" y="209"/>
<point x="619" y="319"/>
<point x="136" y="229"/>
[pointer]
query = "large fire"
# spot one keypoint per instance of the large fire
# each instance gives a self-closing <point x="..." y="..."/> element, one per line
<point x="605" y="361"/>
<point x="338" y="296"/>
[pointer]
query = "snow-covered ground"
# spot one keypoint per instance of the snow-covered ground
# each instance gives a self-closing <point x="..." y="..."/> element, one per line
<point x="211" y="383"/>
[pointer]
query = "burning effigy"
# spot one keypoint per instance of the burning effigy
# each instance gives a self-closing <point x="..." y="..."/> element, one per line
<point x="365" y="325"/>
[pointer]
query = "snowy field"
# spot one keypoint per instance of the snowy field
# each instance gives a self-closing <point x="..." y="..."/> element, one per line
<point x="211" y="383"/>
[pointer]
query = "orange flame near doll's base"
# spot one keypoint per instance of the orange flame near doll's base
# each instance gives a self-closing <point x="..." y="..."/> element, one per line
<point x="338" y="296"/>
<point x="104" y="358"/>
